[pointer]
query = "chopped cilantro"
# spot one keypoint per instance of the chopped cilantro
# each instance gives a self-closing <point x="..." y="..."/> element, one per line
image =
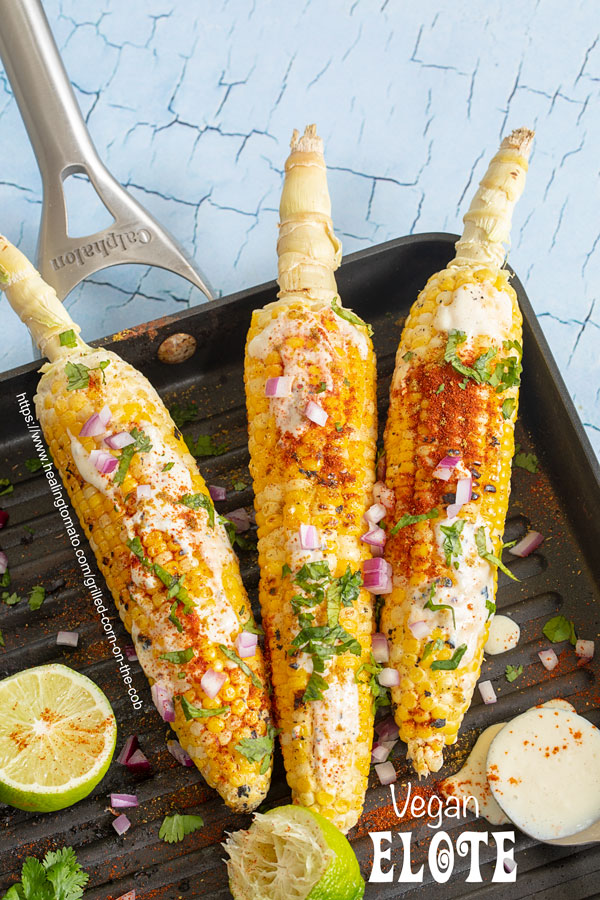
<point x="179" y="657"/>
<point x="57" y="877"/>
<point x="10" y="599"/>
<point x="174" y="828"/>
<point x="182" y="414"/>
<point x="349" y="316"/>
<point x="452" y="546"/>
<point x="33" y="464"/>
<point x="239" y="485"/>
<point x="135" y="545"/>
<point x="78" y="374"/>
<point x="252" y="627"/>
<point x="203" y="445"/>
<point x="68" y="338"/>
<point x="347" y="382"/>
<point x="259" y="749"/>
<point x="198" y="712"/>
<point x="450" y="664"/>
<point x="285" y="570"/>
<point x="142" y="445"/>
<point x="200" y="501"/>
<point x="528" y="461"/>
<point x="187" y="607"/>
<point x="5" y="579"/>
<point x="407" y="519"/>
<point x="436" y="607"/>
<point x="441" y="388"/>
<point x="560" y="629"/>
<point x="37" y="595"/>
<point x="6" y="487"/>
<point x="508" y="407"/>
<point x="408" y="356"/>
<point x="513" y="672"/>
<point x="481" y="544"/>
<point x="381" y="696"/>
<point x="322" y="387"/>
<point x="232" y="655"/>
<point x="506" y="372"/>
<point x="339" y="426"/>
<point x="432" y="647"/>
<point x="168" y="466"/>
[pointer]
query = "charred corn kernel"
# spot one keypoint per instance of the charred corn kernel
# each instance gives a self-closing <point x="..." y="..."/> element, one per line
<point x="307" y="333"/>
<point x="138" y="540"/>
<point x="454" y="394"/>
<point x="238" y="708"/>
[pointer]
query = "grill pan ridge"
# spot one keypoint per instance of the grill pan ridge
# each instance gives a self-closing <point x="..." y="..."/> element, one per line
<point x="563" y="575"/>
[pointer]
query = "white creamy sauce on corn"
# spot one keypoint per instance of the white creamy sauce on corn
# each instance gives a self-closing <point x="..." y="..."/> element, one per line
<point x="480" y="310"/>
<point x="335" y="721"/>
<point x="504" y="635"/>
<point x="471" y="780"/>
<point x="299" y="362"/>
<point x="544" y="770"/>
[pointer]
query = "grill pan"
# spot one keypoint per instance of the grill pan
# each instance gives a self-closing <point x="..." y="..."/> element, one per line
<point x="562" y="502"/>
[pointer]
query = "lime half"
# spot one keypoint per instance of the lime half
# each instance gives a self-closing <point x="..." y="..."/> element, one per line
<point x="292" y="853"/>
<point x="57" y="738"/>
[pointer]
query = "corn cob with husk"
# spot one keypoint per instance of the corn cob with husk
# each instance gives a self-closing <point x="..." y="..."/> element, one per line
<point x="448" y="450"/>
<point x="310" y="388"/>
<point x="163" y="551"/>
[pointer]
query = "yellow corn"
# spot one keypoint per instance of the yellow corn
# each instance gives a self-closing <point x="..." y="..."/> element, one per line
<point x="168" y="563"/>
<point x="447" y="400"/>
<point x="316" y="475"/>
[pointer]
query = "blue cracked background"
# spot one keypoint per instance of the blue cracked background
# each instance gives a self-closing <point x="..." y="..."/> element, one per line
<point x="191" y="105"/>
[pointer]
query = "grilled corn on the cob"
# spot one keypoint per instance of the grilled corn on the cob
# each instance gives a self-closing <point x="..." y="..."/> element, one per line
<point x="312" y="447"/>
<point x="448" y="448"/>
<point x="163" y="551"/>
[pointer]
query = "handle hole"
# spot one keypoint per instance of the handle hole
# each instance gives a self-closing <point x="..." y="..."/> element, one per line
<point x="86" y="213"/>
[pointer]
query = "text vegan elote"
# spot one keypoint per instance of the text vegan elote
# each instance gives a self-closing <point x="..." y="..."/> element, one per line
<point x="448" y="450"/>
<point x="310" y="387"/>
<point x="161" y="547"/>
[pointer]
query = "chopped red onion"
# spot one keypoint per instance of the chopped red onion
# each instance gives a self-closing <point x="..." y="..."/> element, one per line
<point x="3" y="562"/>
<point x="119" y="440"/>
<point x="527" y="545"/>
<point x="508" y="865"/>
<point x="178" y="753"/>
<point x="212" y="682"/>
<point x="3" y="518"/>
<point x="585" y="651"/>
<point x="163" y="701"/>
<point x="315" y="413"/>
<point x="376" y="565"/>
<point x="93" y="427"/>
<point x="281" y="386"/>
<point x="105" y="415"/>
<point x="138" y="763"/>
<point x="143" y="490"/>
<point x="445" y="468"/>
<point x="548" y="658"/>
<point x="380" y="648"/>
<point x="375" y="513"/>
<point x="245" y="644"/>
<point x="121" y="824"/>
<point x="123" y="801"/>
<point x="387" y="729"/>
<point x="378" y="584"/>
<point x="130" y="653"/>
<point x="389" y="677"/>
<point x="419" y="629"/>
<point x="309" y="539"/>
<point x="486" y="689"/>
<point x="67" y="638"/>
<point x="376" y="537"/>
<point x="129" y="748"/>
<point x="384" y="495"/>
<point x="217" y="493"/>
<point x="381" y="750"/>
<point x="376" y="551"/>
<point x="463" y="495"/>
<point x="240" y="519"/>
<point x="104" y="462"/>
<point x="386" y="773"/>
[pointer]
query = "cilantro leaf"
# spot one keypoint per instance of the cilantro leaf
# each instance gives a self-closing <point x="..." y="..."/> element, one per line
<point x="513" y="672"/>
<point x="560" y="629"/>
<point x="203" y="445"/>
<point x="142" y="445"/>
<point x="508" y="407"/>
<point x="5" y="579"/>
<point x="179" y="657"/>
<point x="10" y="599"/>
<point x="34" y="881"/>
<point x="78" y="376"/>
<point x="183" y="414"/>
<point x="33" y="464"/>
<point x="314" y="688"/>
<point x="6" y="487"/>
<point x="480" y="543"/>
<point x="187" y="606"/>
<point x="432" y="647"/>
<point x="452" y="546"/>
<point x="252" y="627"/>
<point x="239" y="485"/>
<point x="380" y="694"/>
<point x="450" y="664"/>
<point x="407" y="519"/>
<point x="167" y="467"/>
<point x="259" y="749"/>
<point x="349" y="316"/>
<point x="1" y="639"/>
<point x="67" y="338"/>
<point x="527" y="461"/>
<point x="436" y="607"/>
<point x="37" y="595"/>
<point x="198" y="712"/>
<point x="135" y="545"/>
<point x="174" y="828"/>
<point x="65" y="874"/>
<point x="232" y="655"/>
<point x="408" y="356"/>
<point x="200" y="501"/>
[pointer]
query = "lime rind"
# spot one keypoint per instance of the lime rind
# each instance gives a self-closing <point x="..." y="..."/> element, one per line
<point x="292" y="853"/>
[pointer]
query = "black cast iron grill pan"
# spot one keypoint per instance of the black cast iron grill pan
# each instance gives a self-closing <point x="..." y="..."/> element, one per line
<point x="562" y="502"/>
